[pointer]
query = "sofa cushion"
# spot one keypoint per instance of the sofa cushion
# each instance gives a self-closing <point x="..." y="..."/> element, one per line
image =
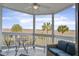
<point x="2" y="55"/>
<point x="23" y="55"/>
<point x="71" y="48"/>
<point x="58" y="52"/>
<point x="62" y="45"/>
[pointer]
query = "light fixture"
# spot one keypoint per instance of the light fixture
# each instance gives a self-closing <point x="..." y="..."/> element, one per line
<point x="35" y="6"/>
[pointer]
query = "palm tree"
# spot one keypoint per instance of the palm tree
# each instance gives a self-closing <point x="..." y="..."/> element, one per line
<point x="16" y="28"/>
<point x="46" y="27"/>
<point x="43" y="27"/>
<point x="62" y="29"/>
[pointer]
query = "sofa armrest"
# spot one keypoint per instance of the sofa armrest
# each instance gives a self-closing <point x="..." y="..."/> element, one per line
<point x="48" y="51"/>
<point x="52" y="46"/>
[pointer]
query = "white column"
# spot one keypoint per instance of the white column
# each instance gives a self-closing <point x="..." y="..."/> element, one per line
<point x="0" y="26"/>
<point x="52" y="28"/>
<point x="33" y="31"/>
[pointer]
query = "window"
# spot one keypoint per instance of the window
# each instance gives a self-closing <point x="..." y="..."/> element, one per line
<point x="41" y="24"/>
<point x="11" y="17"/>
<point x="16" y="22"/>
<point x="43" y="27"/>
<point x="66" y="20"/>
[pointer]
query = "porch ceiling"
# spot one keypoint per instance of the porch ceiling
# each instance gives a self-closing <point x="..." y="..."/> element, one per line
<point x="45" y="8"/>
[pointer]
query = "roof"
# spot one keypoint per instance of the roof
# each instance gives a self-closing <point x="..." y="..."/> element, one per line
<point x="45" y="8"/>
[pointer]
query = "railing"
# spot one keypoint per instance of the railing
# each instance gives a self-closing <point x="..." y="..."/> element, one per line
<point x="40" y="39"/>
<point x="65" y="38"/>
<point x="15" y="36"/>
<point x="43" y="39"/>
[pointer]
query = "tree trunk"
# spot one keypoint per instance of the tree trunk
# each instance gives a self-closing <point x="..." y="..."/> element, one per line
<point x="62" y="33"/>
<point x="47" y="32"/>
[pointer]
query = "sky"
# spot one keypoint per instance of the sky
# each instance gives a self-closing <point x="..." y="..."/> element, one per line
<point x="11" y="17"/>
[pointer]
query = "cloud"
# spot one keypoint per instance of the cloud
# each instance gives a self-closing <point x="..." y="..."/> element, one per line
<point x="65" y="23"/>
<point x="25" y="21"/>
<point x="58" y="18"/>
<point x="62" y="20"/>
<point x="41" y="20"/>
<point x="6" y="18"/>
<point x="73" y="6"/>
<point x="22" y="15"/>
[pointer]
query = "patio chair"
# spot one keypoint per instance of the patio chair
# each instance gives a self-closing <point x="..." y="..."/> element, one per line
<point x="1" y="54"/>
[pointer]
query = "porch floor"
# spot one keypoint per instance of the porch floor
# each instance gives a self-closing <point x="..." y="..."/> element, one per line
<point x="38" y="51"/>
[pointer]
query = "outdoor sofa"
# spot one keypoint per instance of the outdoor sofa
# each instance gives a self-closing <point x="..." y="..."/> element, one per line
<point x="63" y="48"/>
